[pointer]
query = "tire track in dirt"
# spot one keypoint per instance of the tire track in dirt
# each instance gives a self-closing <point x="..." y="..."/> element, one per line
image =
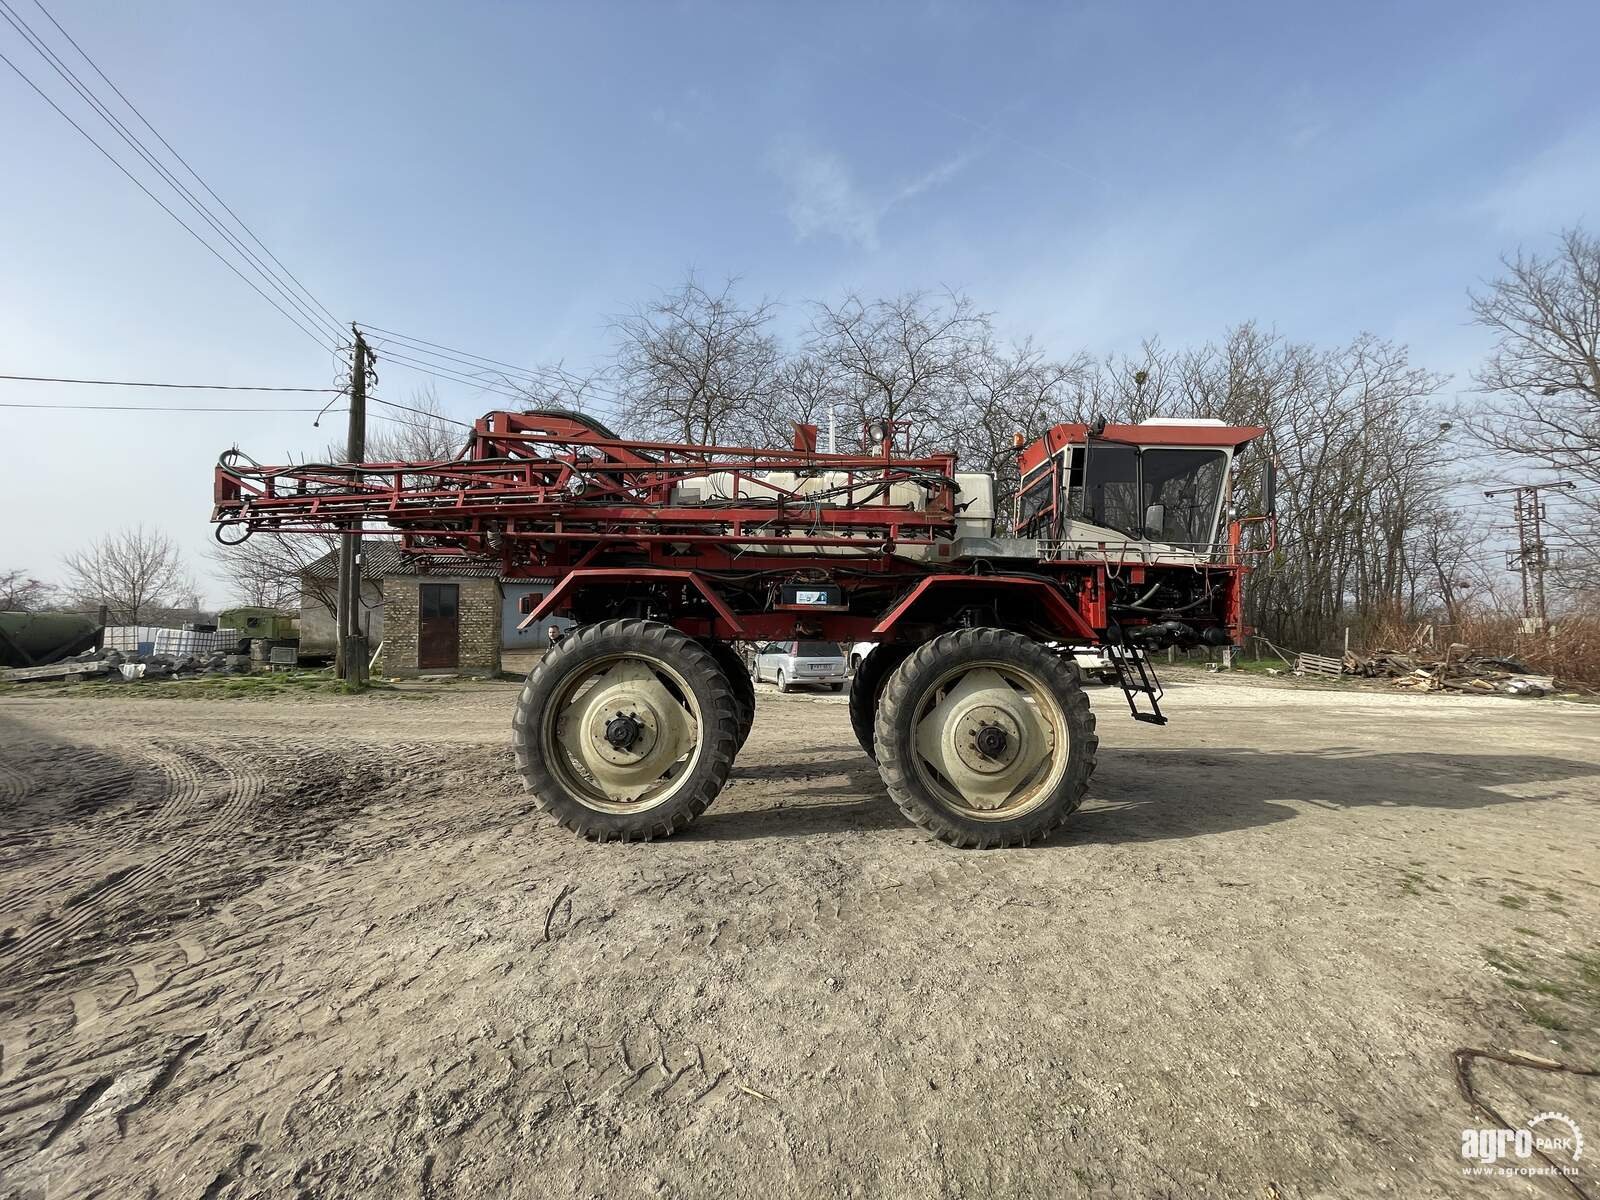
<point x="241" y="792"/>
<point x="14" y="785"/>
<point x="296" y="795"/>
<point x="139" y="1002"/>
<point x="180" y="796"/>
<point x="226" y="970"/>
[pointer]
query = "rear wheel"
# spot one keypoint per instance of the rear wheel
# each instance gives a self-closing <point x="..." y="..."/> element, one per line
<point x="985" y="738"/>
<point x="744" y="688"/>
<point x="783" y="682"/>
<point x="626" y="730"/>
<point x="866" y="688"/>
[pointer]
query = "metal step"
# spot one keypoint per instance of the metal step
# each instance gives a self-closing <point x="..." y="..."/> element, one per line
<point x="1136" y="676"/>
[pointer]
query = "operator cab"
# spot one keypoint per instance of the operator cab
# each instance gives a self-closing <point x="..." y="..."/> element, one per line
<point x="1158" y="489"/>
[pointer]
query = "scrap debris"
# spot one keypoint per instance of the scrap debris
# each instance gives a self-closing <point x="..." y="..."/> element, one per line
<point x="1459" y="670"/>
<point x="122" y="665"/>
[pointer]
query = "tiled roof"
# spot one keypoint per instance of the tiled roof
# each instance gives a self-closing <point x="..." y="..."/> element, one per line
<point x="379" y="560"/>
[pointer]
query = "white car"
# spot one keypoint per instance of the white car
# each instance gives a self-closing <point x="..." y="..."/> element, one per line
<point x="857" y="654"/>
<point x="1094" y="662"/>
<point x="790" y="664"/>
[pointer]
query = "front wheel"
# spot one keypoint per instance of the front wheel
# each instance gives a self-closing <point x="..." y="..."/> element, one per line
<point x="626" y="731"/>
<point x="985" y="738"/>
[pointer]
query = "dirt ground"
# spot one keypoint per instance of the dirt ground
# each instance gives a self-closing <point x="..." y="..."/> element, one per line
<point x="325" y="946"/>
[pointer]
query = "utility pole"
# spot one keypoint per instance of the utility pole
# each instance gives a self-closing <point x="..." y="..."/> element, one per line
<point x="351" y="655"/>
<point x="1531" y="557"/>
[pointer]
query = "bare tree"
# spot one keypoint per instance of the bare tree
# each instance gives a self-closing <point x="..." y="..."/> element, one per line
<point x="135" y="572"/>
<point x="1006" y="392"/>
<point x="1447" y="552"/>
<point x="1542" y="408"/>
<point x="805" y="391"/>
<point x="265" y="570"/>
<point x="903" y="359"/>
<point x="426" y="433"/>
<point x="697" y="366"/>
<point x="21" y="592"/>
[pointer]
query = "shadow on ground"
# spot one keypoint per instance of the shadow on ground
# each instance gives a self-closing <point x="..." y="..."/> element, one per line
<point x="1152" y="795"/>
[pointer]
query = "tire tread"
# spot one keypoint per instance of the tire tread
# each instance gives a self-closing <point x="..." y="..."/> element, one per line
<point x="719" y="717"/>
<point x="924" y="809"/>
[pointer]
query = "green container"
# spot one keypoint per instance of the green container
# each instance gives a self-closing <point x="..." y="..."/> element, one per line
<point x="34" y="639"/>
<point x="265" y="624"/>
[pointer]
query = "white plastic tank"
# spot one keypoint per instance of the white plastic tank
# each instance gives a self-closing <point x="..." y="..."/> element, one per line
<point x="975" y="499"/>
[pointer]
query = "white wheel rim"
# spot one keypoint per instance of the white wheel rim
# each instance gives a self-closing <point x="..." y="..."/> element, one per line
<point x="990" y="739"/>
<point x="623" y="735"/>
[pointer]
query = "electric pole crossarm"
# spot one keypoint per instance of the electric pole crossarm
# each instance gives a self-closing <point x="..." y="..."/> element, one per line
<point x="1530" y="558"/>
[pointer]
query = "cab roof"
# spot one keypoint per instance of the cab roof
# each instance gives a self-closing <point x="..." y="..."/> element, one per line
<point x="1155" y="433"/>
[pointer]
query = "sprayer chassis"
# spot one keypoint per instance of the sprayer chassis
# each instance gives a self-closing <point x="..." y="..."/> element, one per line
<point x="666" y="555"/>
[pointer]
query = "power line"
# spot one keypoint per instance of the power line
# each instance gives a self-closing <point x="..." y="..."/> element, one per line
<point x="218" y="408"/>
<point x="164" y="208"/>
<point x="539" y="375"/>
<point x="192" y="387"/>
<point x="401" y="337"/>
<point x="121" y="130"/>
<point x="445" y="373"/>
<point x="159" y="408"/>
<point x="433" y="364"/>
<point x="421" y="412"/>
<point x="512" y="381"/>
<point x="208" y="387"/>
<point x="195" y="174"/>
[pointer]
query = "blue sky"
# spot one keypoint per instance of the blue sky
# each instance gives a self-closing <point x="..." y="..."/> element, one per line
<point x="505" y="177"/>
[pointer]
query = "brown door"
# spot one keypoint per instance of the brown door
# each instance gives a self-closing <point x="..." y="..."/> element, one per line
<point x="439" y="626"/>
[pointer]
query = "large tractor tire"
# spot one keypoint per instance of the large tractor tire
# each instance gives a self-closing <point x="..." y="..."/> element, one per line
<point x="626" y="731"/>
<point x="867" y="687"/>
<point x="744" y="688"/>
<point x="985" y="738"/>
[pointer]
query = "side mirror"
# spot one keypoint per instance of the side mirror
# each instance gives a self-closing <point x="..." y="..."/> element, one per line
<point x="1272" y="487"/>
<point x="1155" y="519"/>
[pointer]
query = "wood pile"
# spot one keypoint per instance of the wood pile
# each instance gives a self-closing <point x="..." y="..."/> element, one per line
<point x="1458" y="671"/>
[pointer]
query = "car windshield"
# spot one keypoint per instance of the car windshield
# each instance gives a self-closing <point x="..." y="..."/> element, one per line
<point x="817" y="650"/>
<point x="1124" y="482"/>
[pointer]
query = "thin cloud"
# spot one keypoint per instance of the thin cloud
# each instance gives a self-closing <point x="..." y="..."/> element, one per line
<point x="1552" y="191"/>
<point x="825" y="198"/>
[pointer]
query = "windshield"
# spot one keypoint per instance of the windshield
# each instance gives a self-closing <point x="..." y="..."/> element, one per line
<point x="1124" y="482"/>
<point x="1187" y="484"/>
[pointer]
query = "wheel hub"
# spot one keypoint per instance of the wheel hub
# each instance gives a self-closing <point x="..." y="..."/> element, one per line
<point x="991" y="741"/>
<point x="627" y="731"/>
<point x="623" y="730"/>
<point x="985" y="738"/>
